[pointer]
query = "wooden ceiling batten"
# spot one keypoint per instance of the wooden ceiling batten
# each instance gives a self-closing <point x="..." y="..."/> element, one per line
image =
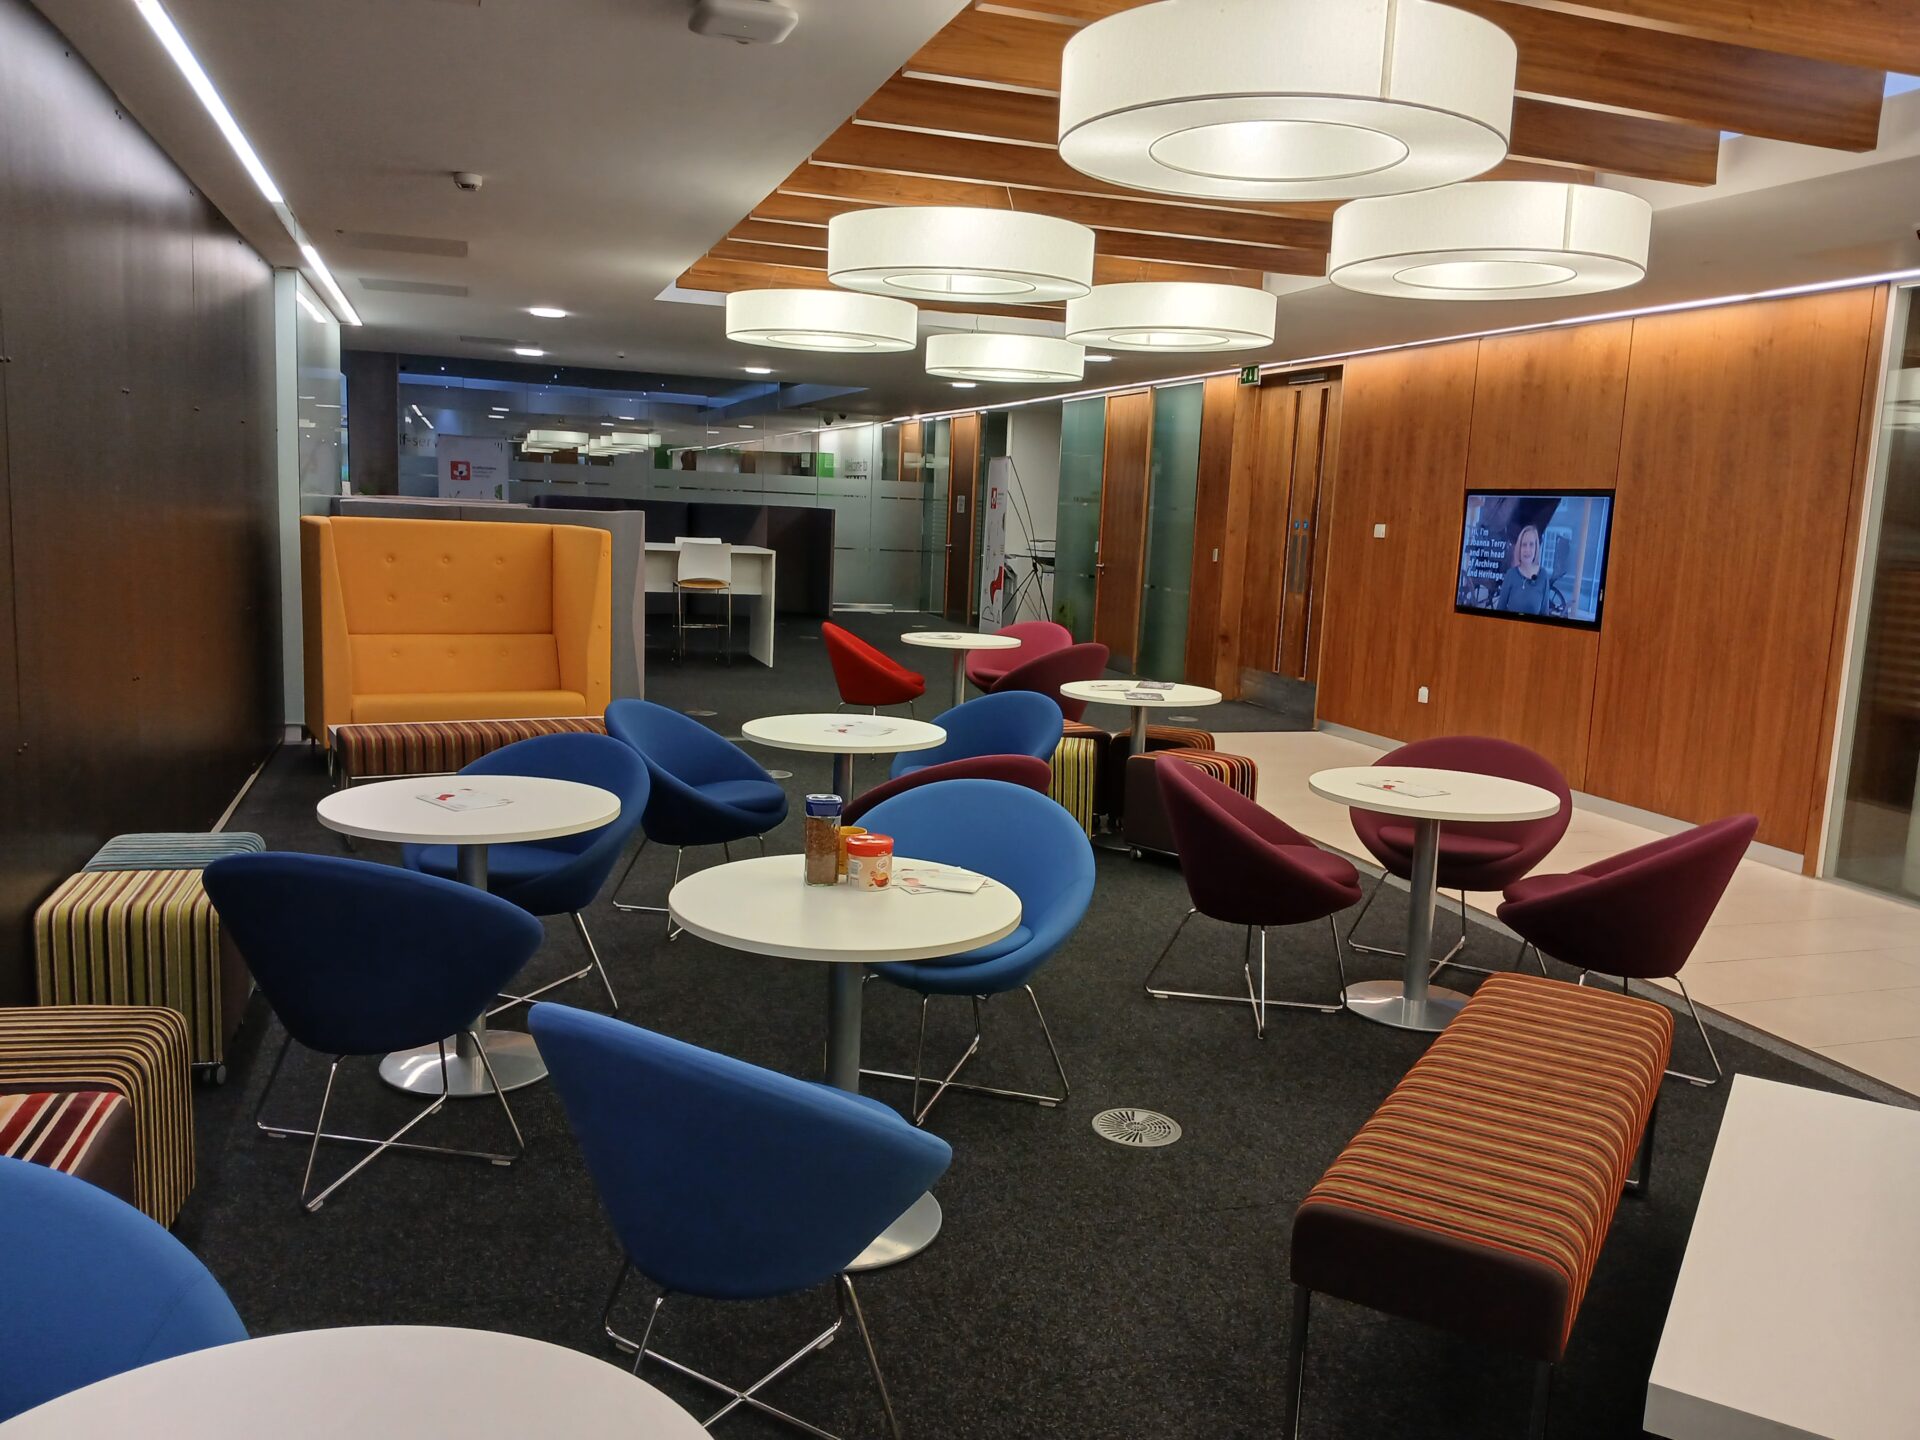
<point x="1873" y="34"/>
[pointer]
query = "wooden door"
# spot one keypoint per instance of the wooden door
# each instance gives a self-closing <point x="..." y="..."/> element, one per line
<point x="1120" y="570"/>
<point x="1310" y="429"/>
<point x="963" y="467"/>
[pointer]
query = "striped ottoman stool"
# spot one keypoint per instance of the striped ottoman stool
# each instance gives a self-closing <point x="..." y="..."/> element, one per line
<point x="143" y="937"/>
<point x="136" y="1051"/>
<point x="173" y="849"/>
<point x="84" y="1133"/>
<point x="1079" y="763"/>
<point x="1144" y="824"/>
<point x="436" y="747"/>
<point x="1478" y="1196"/>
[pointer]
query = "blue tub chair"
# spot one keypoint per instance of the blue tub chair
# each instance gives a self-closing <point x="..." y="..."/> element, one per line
<point x="562" y="876"/>
<point x="1030" y="844"/>
<point x="92" y="1288"/>
<point x="705" y="790"/>
<point x="1016" y="722"/>
<point x="361" y="959"/>
<point x="730" y="1182"/>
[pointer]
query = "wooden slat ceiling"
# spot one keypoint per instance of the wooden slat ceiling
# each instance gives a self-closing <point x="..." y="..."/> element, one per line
<point x="1641" y="88"/>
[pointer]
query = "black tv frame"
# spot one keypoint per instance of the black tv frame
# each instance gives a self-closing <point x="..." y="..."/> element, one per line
<point x="1606" y="556"/>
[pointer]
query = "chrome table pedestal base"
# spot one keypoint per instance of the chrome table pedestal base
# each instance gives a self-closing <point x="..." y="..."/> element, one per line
<point x="1386" y="1002"/>
<point x="516" y="1063"/>
<point x="1411" y="1003"/>
<point x="903" y="1239"/>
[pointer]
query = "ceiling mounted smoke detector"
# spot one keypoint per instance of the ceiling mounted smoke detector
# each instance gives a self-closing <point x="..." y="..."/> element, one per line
<point x="746" y="22"/>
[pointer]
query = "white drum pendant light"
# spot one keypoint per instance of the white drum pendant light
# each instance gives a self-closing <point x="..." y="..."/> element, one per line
<point x="833" y="320"/>
<point x="557" y="439"/>
<point x="1494" y="240"/>
<point x="957" y="253"/>
<point x="1287" y="99"/>
<point x="1172" y="315"/>
<point x="1035" y="359"/>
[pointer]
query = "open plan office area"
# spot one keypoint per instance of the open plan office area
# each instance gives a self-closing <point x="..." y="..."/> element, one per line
<point x="881" y="718"/>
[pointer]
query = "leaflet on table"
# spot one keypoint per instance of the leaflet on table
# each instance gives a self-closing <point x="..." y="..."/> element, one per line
<point x="1407" y="788"/>
<point x="917" y="879"/>
<point x="465" y="797"/>
<point x="860" y="727"/>
<point x="1143" y="697"/>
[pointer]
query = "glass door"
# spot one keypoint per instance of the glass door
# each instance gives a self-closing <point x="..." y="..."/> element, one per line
<point x="1875" y="838"/>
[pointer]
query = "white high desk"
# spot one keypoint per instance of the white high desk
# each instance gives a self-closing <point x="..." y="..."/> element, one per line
<point x="1797" y="1310"/>
<point x="752" y="576"/>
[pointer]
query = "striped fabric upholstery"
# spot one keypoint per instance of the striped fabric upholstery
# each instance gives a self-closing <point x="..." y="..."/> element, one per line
<point x="1478" y="1195"/>
<point x="1177" y="737"/>
<point x="438" y="747"/>
<point x="173" y="850"/>
<point x="55" y="1128"/>
<point x="138" y="937"/>
<point x="1234" y="771"/>
<point x="1143" y="820"/>
<point x="139" y="1051"/>
<point x="1077" y="767"/>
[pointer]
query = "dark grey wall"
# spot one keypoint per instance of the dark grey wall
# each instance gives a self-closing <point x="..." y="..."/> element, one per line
<point x="138" y="590"/>
<point x="373" y="421"/>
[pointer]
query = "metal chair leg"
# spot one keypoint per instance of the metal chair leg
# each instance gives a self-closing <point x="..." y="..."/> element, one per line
<point x="593" y="964"/>
<point x="1255" y="995"/>
<point x="380" y="1146"/>
<point x="679" y="856"/>
<point x="852" y="1301"/>
<point x="1354" y="929"/>
<point x="1719" y="1071"/>
<point x="586" y="938"/>
<point x="918" y="1112"/>
<point x="1296" y="1363"/>
<point x="1166" y="950"/>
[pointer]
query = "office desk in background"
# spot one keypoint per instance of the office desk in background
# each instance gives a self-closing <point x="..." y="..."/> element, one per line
<point x="753" y="577"/>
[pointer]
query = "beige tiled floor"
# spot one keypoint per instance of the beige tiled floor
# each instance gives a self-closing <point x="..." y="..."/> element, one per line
<point x="1817" y="964"/>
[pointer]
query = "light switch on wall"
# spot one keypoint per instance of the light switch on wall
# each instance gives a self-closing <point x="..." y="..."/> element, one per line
<point x="1379" y="532"/>
<point x="1423" y="694"/>
<point x="1216" y="554"/>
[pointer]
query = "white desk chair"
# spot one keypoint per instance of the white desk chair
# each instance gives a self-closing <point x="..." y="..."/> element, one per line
<point x="705" y="568"/>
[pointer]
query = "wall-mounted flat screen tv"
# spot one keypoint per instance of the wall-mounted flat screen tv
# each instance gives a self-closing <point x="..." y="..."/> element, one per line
<point x="1537" y="555"/>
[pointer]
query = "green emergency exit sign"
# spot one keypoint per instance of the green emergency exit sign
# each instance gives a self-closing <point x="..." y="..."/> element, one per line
<point x="1249" y="374"/>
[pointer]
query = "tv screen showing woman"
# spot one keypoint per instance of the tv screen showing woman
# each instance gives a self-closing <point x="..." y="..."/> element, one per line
<point x="1535" y="555"/>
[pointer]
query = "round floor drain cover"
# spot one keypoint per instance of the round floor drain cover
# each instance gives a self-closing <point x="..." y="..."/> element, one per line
<point x="1147" y="1129"/>
<point x="780" y="774"/>
<point x="700" y="714"/>
<point x="1188" y="719"/>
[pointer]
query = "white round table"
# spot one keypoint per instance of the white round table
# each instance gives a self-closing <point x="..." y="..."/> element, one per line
<point x="1410" y="1003"/>
<point x="765" y="907"/>
<point x="374" y="1382"/>
<point x="960" y="642"/>
<point x="538" y="809"/>
<point x="1129" y="693"/>
<point x="843" y="737"/>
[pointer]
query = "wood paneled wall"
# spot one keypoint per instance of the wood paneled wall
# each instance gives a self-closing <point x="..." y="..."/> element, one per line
<point x="138" y="581"/>
<point x="1731" y="437"/>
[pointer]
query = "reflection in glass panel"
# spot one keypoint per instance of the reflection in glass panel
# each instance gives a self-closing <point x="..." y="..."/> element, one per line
<point x="1171" y="484"/>
<point x="1879" y="820"/>
<point x="1083" y="439"/>
<point x="935" y="438"/>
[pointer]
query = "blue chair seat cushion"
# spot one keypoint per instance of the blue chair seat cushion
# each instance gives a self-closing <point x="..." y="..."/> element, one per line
<point x="761" y="795"/>
<point x="507" y="865"/>
<point x="950" y="974"/>
<point x="1459" y="846"/>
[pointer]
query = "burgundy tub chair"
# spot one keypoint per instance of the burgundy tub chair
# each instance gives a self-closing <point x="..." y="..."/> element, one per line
<point x="1036" y="637"/>
<point x="1046" y="673"/>
<point x="1249" y="867"/>
<point x="1636" y="915"/>
<point x="865" y="675"/>
<point x="1014" y="769"/>
<point x="1472" y="856"/>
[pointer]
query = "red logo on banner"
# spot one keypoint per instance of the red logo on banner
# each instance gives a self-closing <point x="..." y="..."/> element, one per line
<point x="460" y="470"/>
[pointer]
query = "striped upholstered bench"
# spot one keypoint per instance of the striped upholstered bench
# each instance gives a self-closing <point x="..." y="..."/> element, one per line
<point x="84" y="1133"/>
<point x="137" y="1051"/>
<point x="436" y="747"/>
<point x="1478" y="1196"/>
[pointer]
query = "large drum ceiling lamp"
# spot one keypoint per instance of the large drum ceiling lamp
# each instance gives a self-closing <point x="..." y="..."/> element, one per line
<point x="957" y="253"/>
<point x="547" y="441"/>
<point x="1287" y="99"/>
<point x="829" y="320"/>
<point x="1172" y="316"/>
<point x="1494" y="240"/>
<point x="995" y="355"/>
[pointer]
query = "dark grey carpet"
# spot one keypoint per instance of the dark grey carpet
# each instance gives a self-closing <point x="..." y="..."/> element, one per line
<point x="1079" y="1289"/>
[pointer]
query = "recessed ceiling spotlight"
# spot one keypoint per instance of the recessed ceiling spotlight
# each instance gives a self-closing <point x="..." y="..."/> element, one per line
<point x="629" y="417"/>
<point x="758" y="369"/>
<point x="546" y="312"/>
<point x="713" y="432"/>
<point x="963" y="384"/>
<point x="530" y="351"/>
<point x="745" y="426"/>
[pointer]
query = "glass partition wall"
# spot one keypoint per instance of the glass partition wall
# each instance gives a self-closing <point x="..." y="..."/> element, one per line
<point x="1083" y="440"/>
<point x="1874" y="835"/>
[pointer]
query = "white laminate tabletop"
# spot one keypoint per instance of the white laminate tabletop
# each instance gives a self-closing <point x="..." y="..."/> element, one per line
<point x="960" y="640"/>
<point x="765" y="907"/>
<point x="674" y="545"/>
<point x="540" y="810"/>
<point x="844" y="734"/>
<point x="1465" y="795"/>
<point x="1126" y="692"/>
<point x="1797" y="1309"/>
<point x="377" y="1382"/>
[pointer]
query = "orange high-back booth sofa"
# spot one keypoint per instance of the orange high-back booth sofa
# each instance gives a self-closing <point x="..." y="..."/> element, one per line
<point x="453" y="620"/>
